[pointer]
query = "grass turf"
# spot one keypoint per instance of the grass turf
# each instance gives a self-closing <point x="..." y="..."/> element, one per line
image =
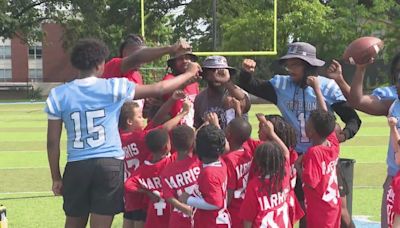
<point x="25" y="182"/>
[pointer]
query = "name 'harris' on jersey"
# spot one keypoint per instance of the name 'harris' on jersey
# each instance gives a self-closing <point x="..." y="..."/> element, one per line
<point x="90" y="109"/>
<point x="296" y="103"/>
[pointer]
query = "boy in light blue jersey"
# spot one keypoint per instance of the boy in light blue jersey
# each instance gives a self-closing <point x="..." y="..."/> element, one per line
<point x="89" y="107"/>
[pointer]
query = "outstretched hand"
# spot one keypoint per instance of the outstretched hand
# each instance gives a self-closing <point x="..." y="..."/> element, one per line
<point x="266" y="125"/>
<point x="335" y="71"/>
<point x="180" y="46"/>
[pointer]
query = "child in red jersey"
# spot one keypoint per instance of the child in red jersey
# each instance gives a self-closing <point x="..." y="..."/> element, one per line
<point x="266" y="200"/>
<point x="238" y="161"/>
<point x="287" y="134"/>
<point x="393" y="196"/>
<point x="319" y="177"/>
<point x="210" y="203"/>
<point x="146" y="178"/>
<point x="181" y="176"/>
<point x="133" y="133"/>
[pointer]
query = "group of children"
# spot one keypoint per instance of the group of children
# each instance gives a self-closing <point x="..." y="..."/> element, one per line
<point x="178" y="176"/>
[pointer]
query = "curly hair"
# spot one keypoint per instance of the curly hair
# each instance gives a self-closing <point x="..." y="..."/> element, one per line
<point x="323" y="122"/>
<point x="270" y="163"/>
<point x="283" y="130"/>
<point x="210" y="142"/>
<point x="182" y="138"/>
<point x="88" y="53"/>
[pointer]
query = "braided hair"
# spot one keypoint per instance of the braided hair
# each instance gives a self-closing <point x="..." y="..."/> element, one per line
<point x="270" y="163"/>
<point x="283" y="130"/>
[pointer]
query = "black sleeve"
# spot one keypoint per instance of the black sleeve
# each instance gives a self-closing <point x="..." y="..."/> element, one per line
<point x="349" y="116"/>
<point x="257" y="87"/>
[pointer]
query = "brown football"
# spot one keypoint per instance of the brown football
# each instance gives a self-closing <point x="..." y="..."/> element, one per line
<point x="361" y="50"/>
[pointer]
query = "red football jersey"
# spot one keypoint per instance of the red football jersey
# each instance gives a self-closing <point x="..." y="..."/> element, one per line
<point x="320" y="184"/>
<point x="212" y="183"/>
<point x="393" y="200"/>
<point x="112" y="69"/>
<point x="180" y="176"/>
<point x="238" y="165"/>
<point x="136" y="152"/>
<point x="148" y="176"/>
<point x="191" y="91"/>
<point x="267" y="209"/>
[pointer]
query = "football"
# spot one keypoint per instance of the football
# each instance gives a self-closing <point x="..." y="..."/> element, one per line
<point x="361" y="50"/>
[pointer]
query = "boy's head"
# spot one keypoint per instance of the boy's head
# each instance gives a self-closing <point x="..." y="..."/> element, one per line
<point x="158" y="141"/>
<point x="131" y="117"/>
<point x="210" y="142"/>
<point x="320" y="124"/>
<point x="182" y="138"/>
<point x="238" y="131"/>
<point x="89" y="55"/>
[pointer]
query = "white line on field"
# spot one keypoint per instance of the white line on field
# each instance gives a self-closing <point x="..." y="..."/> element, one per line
<point x="10" y="193"/>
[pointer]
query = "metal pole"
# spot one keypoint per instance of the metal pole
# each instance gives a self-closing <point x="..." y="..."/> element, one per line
<point x="214" y="18"/>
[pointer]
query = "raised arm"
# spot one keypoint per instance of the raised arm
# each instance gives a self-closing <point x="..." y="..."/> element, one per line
<point x="268" y="128"/>
<point x="350" y="117"/>
<point x="257" y="87"/>
<point x="239" y="95"/>
<point x="145" y="55"/>
<point x="176" y="119"/>
<point x="167" y="86"/>
<point x="166" y="107"/>
<point x="395" y="138"/>
<point x="366" y="103"/>
<point x="335" y="72"/>
<point x="313" y="82"/>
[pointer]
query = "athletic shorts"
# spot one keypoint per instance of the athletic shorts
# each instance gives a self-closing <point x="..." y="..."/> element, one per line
<point x="342" y="183"/>
<point x="93" y="186"/>
<point x="136" y="215"/>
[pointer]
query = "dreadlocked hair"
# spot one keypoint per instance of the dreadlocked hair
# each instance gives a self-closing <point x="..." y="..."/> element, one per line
<point x="283" y="130"/>
<point x="270" y="163"/>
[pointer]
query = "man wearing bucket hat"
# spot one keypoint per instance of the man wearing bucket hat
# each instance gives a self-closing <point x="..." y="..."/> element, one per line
<point x="217" y="73"/>
<point x="177" y="63"/>
<point x="295" y="99"/>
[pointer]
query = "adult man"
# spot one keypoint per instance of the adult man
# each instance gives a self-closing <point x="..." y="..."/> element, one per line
<point x="218" y="74"/>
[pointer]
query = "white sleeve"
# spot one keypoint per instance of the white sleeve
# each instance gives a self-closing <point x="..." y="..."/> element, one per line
<point x="200" y="203"/>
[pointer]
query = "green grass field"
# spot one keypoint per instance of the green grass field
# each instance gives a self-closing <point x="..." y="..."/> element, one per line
<point x="25" y="182"/>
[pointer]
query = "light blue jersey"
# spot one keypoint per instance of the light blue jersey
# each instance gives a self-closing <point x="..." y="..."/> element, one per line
<point x="385" y="93"/>
<point x="89" y="109"/>
<point x="394" y="111"/>
<point x="291" y="104"/>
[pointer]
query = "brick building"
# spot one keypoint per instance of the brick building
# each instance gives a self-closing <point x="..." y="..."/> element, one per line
<point x="45" y="61"/>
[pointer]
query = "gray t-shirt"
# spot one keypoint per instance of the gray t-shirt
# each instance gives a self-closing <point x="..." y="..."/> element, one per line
<point x="203" y="105"/>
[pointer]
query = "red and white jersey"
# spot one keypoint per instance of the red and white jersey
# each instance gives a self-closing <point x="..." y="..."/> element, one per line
<point x="238" y="165"/>
<point x="178" y="177"/>
<point x="212" y="183"/>
<point x="148" y="176"/>
<point x="191" y="91"/>
<point x="264" y="208"/>
<point x="112" y="69"/>
<point x="393" y="200"/>
<point x="320" y="184"/>
<point x="136" y="152"/>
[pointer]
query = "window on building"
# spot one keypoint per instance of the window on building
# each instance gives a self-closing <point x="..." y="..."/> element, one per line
<point x="36" y="74"/>
<point x="5" y="75"/>
<point x="5" y="52"/>
<point x="35" y="52"/>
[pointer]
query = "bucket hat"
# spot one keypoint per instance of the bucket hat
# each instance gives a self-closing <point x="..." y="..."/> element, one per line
<point x="218" y="62"/>
<point x="304" y="51"/>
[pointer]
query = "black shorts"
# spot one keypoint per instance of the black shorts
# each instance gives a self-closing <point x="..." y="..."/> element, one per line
<point x="93" y="186"/>
<point x="342" y="183"/>
<point x="136" y="215"/>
